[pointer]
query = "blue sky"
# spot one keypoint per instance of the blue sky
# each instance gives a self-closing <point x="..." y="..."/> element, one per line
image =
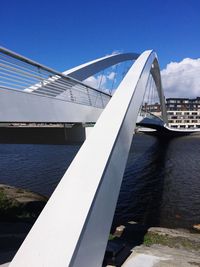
<point x="62" y="34"/>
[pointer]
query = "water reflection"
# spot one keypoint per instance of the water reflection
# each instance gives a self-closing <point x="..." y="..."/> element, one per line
<point x="181" y="189"/>
<point x="161" y="183"/>
<point x="141" y="191"/>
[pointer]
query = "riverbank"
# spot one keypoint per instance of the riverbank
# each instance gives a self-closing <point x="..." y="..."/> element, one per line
<point x="165" y="248"/>
<point x="19" y="209"/>
<point x="17" y="204"/>
<point x="133" y="245"/>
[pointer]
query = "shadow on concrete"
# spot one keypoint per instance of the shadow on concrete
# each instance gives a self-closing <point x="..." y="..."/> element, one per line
<point x="12" y="234"/>
<point x="119" y="248"/>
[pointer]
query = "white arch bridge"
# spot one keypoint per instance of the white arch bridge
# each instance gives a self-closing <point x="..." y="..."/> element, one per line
<point x="73" y="228"/>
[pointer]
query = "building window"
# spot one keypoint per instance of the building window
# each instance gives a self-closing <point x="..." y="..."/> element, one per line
<point x="174" y="126"/>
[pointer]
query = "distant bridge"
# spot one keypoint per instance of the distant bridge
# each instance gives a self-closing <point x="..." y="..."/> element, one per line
<point x="150" y="121"/>
<point x="74" y="226"/>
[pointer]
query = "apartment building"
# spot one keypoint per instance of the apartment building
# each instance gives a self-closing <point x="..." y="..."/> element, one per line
<point x="183" y="113"/>
<point x="183" y="104"/>
<point x="184" y="119"/>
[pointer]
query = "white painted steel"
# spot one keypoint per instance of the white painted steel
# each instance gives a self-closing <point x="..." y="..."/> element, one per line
<point x="88" y="69"/>
<point x="31" y="92"/>
<point x="19" y="74"/>
<point x="30" y="105"/>
<point x="19" y="106"/>
<point x="73" y="228"/>
<point x="155" y="71"/>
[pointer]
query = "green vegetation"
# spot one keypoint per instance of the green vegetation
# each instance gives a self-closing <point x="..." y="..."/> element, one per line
<point x="12" y="209"/>
<point x="173" y="242"/>
<point x="6" y="204"/>
<point x="111" y="237"/>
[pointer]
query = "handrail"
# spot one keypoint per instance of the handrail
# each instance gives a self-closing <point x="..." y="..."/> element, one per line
<point x="73" y="228"/>
<point x="20" y="73"/>
<point x="38" y="65"/>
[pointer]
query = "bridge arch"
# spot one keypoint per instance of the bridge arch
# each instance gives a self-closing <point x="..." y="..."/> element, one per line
<point x="73" y="228"/>
<point x="90" y="68"/>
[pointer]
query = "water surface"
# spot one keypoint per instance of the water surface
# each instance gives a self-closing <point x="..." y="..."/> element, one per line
<point x="161" y="184"/>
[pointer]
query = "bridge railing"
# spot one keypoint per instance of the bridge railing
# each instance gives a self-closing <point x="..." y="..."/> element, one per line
<point x="23" y="74"/>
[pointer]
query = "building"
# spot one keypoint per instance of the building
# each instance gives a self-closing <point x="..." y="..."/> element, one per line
<point x="183" y="113"/>
<point x="184" y="119"/>
<point x="183" y="104"/>
<point x="151" y="107"/>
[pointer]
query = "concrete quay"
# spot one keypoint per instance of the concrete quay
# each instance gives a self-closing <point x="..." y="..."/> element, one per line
<point x="161" y="247"/>
<point x="162" y="256"/>
<point x="164" y="247"/>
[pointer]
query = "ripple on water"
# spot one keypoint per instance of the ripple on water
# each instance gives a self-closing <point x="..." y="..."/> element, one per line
<point x="165" y="183"/>
<point x="161" y="184"/>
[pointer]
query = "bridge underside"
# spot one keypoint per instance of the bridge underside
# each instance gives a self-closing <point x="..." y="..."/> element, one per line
<point x="164" y="132"/>
<point x="49" y="134"/>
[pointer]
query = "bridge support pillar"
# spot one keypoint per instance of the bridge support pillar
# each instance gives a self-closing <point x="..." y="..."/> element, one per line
<point x="88" y="130"/>
<point x="75" y="134"/>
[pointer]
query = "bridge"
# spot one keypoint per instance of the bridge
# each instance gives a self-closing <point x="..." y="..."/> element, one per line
<point x="67" y="234"/>
<point x="151" y="121"/>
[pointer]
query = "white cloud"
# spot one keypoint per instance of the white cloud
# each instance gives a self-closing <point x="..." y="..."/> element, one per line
<point x="111" y="76"/>
<point x="182" y="79"/>
<point x="102" y="82"/>
<point x="96" y="82"/>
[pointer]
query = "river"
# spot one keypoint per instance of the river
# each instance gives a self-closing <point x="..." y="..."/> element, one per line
<point x="161" y="184"/>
